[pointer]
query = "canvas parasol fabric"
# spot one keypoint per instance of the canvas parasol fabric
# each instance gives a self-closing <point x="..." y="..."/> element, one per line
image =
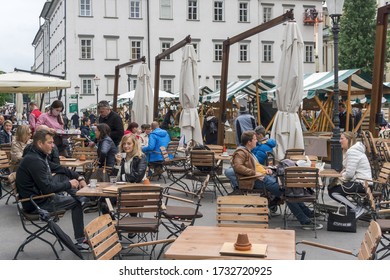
<point x="142" y="109"/>
<point x="130" y="94"/>
<point x="189" y="96"/>
<point x="19" y="106"/>
<point x="287" y="129"/>
<point x="23" y="82"/>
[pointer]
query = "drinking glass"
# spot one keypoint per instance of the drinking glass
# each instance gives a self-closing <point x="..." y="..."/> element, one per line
<point x="93" y="183"/>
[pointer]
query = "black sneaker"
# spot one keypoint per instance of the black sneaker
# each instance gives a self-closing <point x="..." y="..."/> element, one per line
<point x="131" y="235"/>
<point x="234" y="192"/>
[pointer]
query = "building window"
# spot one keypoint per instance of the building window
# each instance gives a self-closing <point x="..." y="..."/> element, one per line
<point x="135" y="49"/>
<point x="217" y="83"/>
<point x="267" y="52"/>
<point x="133" y="82"/>
<point x="164" y="47"/>
<point x="218" y="52"/>
<point x="110" y="8"/>
<point x="244" y="52"/>
<point x="111" y="48"/>
<point x="166" y="9"/>
<point x="167" y="85"/>
<point x="86" y="48"/>
<point x="243" y="12"/>
<point x="193" y="9"/>
<point x="85" y="8"/>
<point x="267" y="14"/>
<point x="135" y="9"/>
<point x="86" y="87"/>
<point x="196" y="48"/>
<point x="218" y="11"/>
<point x="309" y="52"/>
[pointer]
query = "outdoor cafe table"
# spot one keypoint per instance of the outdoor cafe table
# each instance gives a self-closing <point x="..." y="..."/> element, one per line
<point x="105" y="189"/>
<point x="326" y="175"/>
<point x="74" y="163"/>
<point x="205" y="242"/>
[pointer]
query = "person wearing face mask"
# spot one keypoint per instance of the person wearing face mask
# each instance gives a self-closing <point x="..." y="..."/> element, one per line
<point x="54" y="121"/>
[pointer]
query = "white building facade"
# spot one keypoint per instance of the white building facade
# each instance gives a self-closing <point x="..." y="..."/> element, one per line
<point x="84" y="39"/>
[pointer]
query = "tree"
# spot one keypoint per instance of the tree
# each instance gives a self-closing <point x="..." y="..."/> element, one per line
<point x="5" y="97"/>
<point x="357" y="35"/>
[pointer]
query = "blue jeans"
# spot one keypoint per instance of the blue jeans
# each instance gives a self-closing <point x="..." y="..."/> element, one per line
<point x="270" y="183"/>
<point x="300" y="211"/>
<point x="229" y="173"/>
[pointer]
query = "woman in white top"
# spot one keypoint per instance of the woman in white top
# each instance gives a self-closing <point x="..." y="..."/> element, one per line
<point x="356" y="169"/>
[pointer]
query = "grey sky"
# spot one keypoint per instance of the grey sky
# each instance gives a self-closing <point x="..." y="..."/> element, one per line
<point x="19" y="22"/>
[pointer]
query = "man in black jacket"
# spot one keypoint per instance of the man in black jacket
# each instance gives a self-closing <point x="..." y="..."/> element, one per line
<point x="34" y="177"/>
<point x="112" y="119"/>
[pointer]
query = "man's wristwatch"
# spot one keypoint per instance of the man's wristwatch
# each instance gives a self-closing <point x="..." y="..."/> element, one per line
<point x="80" y="178"/>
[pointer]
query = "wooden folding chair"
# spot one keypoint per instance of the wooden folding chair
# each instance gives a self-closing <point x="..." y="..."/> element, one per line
<point x="183" y="212"/>
<point x="4" y="177"/>
<point x="301" y="184"/>
<point x="177" y="169"/>
<point x="379" y="210"/>
<point x="367" y="249"/>
<point x="293" y="152"/>
<point x="242" y="211"/>
<point x="203" y="163"/>
<point x="104" y="240"/>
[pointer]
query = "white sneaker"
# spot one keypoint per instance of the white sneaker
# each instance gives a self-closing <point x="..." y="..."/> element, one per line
<point x="312" y="226"/>
<point x="359" y="211"/>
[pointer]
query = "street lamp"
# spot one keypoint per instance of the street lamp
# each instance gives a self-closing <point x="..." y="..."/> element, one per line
<point x="335" y="10"/>
<point x="129" y="69"/>
<point x="76" y="92"/>
<point x="96" y="81"/>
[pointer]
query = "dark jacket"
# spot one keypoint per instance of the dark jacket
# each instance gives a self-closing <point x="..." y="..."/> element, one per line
<point x="5" y="138"/>
<point x="114" y="121"/>
<point x="106" y="152"/>
<point x="136" y="172"/>
<point x="85" y="132"/>
<point x="210" y="130"/>
<point x="34" y="177"/>
<point x="54" y="157"/>
<point x="157" y="138"/>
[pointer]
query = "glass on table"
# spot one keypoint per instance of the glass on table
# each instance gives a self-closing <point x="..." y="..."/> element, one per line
<point x="93" y="183"/>
<point x="113" y="180"/>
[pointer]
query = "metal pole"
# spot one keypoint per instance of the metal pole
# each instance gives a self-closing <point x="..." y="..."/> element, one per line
<point x="336" y="152"/>
<point x="128" y="87"/>
<point x="97" y="95"/>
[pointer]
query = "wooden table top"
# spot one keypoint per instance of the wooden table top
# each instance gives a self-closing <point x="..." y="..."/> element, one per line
<point x="74" y="163"/>
<point x="329" y="173"/>
<point x="106" y="189"/>
<point x="205" y="242"/>
<point x="219" y="156"/>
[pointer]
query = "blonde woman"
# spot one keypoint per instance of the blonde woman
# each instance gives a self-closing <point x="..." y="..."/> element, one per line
<point x="132" y="167"/>
<point x="356" y="169"/>
<point x="22" y="139"/>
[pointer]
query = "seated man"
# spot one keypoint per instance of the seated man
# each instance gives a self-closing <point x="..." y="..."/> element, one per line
<point x="263" y="145"/>
<point x="157" y="138"/>
<point x="34" y="177"/>
<point x="245" y="164"/>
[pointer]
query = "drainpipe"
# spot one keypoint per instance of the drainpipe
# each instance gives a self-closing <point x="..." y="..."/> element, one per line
<point x="148" y="29"/>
